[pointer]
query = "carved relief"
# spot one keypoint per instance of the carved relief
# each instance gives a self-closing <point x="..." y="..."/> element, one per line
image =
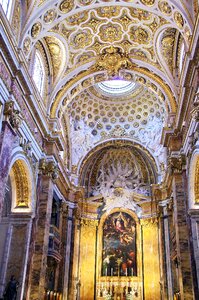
<point x="178" y="19"/>
<point x="165" y="7"/>
<point x="36" y="29"/>
<point x="113" y="60"/>
<point x="66" y="6"/>
<point x="12" y="114"/>
<point x="139" y="35"/>
<point x="148" y="2"/>
<point x="49" y="16"/>
<point x="110" y="32"/>
<point x="26" y="45"/>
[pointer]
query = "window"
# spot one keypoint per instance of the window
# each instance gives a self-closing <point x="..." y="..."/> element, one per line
<point x="116" y="87"/>
<point x="6" y="5"/>
<point x="182" y="53"/>
<point x="39" y="72"/>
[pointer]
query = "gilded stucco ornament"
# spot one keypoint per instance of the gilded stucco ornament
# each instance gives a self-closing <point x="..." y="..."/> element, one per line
<point x="113" y="60"/>
<point x="66" y="6"/>
<point x="49" y="16"/>
<point x="148" y="2"/>
<point x="139" y="35"/>
<point x="85" y="2"/>
<point x="165" y="8"/>
<point x="167" y="46"/>
<point x="110" y="32"/>
<point x="26" y="45"/>
<point x="81" y="39"/>
<point x="36" y="29"/>
<point x="178" y="19"/>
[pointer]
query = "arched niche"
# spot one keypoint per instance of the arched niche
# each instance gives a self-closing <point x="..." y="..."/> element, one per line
<point x="22" y="187"/>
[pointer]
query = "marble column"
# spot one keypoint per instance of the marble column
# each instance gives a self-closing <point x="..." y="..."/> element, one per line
<point x="75" y="279"/>
<point x="7" y="140"/>
<point x="182" y="235"/>
<point x="167" y="251"/>
<point x="41" y="232"/>
<point x="71" y="207"/>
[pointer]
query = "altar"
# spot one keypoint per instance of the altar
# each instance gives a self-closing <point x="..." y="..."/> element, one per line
<point x="119" y="288"/>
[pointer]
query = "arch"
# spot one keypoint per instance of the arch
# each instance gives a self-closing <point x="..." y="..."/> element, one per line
<point x="22" y="185"/>
<point x="149" y="169"/>
<point x="74" y="85"/>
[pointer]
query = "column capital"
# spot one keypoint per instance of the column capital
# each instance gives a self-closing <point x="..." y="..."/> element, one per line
<point x="89" y="222"/>
<point x="49" y="168"/>
<point x="176" y="163"/>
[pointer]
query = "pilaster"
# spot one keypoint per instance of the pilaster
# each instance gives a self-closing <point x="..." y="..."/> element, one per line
<point x="48" y="172"/>
<point x="183" y="258"/>
<point x="7" y="139"/>
<point x="68" y="254"/>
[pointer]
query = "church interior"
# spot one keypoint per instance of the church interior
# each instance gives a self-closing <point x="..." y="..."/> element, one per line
<point x="99" y="149"/>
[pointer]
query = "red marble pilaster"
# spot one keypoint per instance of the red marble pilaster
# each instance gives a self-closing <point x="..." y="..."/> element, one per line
<point x="41" y="237"/>
<point x="7" y="140"/>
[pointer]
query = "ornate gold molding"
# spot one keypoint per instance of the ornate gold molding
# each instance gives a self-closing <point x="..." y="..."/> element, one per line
<point x="149" y="222"/>
<point x="89" y="222"/>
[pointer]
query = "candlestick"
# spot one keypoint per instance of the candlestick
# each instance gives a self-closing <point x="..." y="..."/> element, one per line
<point x="131" y="271"/>
<point x="111" y="271"/>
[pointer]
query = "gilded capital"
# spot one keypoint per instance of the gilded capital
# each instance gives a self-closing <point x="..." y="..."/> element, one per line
<point x="48" y="168"/>
<point x="89" y="222"/>
<point x="176" y="163"/>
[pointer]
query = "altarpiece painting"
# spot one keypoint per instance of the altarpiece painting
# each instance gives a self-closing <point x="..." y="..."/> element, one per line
<point x="119" y="245"/>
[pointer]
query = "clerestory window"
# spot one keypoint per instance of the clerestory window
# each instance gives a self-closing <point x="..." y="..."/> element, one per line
<point x="6" y="5"/>
<point x="39" y="72"/>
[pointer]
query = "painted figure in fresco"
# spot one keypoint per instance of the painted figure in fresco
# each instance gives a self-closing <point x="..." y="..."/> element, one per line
<point x="11" y="289"/>
<point x="119" y="245"/>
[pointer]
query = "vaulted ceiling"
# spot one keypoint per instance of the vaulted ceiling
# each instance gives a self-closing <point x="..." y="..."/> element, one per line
<point x="92" y="42"/>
